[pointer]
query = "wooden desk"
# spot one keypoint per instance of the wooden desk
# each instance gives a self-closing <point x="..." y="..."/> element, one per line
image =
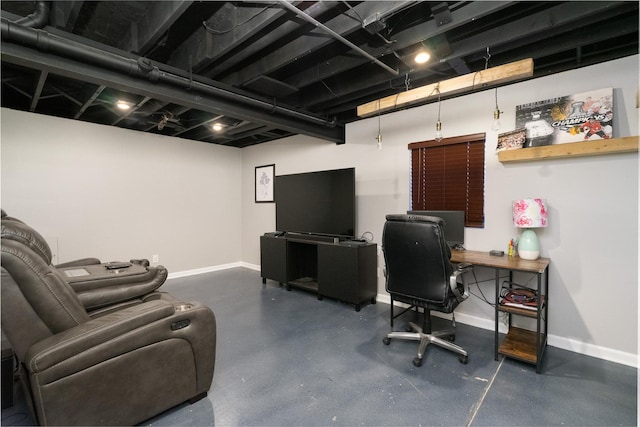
<point x="522" y="344"/>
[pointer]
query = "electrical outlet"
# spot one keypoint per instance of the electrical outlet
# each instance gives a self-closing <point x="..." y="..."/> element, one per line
<point x="155" y="258"/>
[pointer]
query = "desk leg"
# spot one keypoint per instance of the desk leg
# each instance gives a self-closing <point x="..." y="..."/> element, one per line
<point x="538" y="346"/>
<point x="496" y="337"/>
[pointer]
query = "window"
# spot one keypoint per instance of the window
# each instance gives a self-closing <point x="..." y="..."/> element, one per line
<point x="449" y="175"/>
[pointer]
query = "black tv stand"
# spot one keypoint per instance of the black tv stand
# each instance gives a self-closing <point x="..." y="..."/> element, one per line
<point x="329" y="267"/>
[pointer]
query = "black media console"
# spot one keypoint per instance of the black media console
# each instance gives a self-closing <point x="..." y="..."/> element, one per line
<point x="345" y="270"/>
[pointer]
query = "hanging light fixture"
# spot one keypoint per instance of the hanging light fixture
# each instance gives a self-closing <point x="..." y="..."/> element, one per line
<point x="379" y="136"/>
<point x="495" y="125"/>
<point x="438" y="136"/>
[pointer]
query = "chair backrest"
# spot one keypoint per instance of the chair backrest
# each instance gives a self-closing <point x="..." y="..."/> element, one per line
<point x="37" y="301"/>
<point x="417" y="261"/>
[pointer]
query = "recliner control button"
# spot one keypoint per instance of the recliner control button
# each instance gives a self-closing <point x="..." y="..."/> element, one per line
<point x="180" y="324"/>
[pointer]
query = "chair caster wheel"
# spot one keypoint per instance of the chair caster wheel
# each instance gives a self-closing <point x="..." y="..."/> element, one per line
<point x="386" y="340"/>
<point x="417" y="362"/>
<point x="464" y="360"/>
<point x="358" y="307"/>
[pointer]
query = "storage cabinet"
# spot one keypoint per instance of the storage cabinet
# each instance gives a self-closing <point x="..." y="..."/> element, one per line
<point x="273" y="258"/>
<point x="346" y="270"/>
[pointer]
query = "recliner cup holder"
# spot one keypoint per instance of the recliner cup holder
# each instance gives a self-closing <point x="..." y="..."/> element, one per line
<point x="182" y="307"/>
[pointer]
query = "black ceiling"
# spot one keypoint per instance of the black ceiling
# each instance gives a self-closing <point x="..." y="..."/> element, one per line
<point x="265" y="70"/>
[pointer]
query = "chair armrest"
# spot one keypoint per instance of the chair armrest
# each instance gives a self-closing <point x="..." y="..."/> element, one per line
<point x="82" y="339"/>
<point x="102" y="287"/>
<point x="460" y="271"/>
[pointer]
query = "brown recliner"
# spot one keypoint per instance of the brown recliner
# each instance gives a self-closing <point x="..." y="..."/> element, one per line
<point x="112" y="351"/>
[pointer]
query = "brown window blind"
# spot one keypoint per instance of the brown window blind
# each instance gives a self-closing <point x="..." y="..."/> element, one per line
<point x="449" y="175"/>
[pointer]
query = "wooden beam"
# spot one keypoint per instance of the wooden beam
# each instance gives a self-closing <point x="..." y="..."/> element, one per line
<point x="480" y="79"/>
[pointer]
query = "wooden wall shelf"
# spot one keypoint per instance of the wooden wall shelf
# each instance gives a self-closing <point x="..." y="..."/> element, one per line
<point x="626" y="144"/>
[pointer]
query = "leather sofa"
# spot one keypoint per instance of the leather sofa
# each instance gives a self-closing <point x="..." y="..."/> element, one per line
<point x="98" y="343"/>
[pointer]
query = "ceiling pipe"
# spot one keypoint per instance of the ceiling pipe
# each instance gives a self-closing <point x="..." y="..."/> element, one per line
<point x="140" y="67"/>
<point x="39" y="18"/>
<point x="337" y="36"/>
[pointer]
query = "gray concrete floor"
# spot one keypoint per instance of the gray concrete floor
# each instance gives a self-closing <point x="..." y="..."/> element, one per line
<point x="288" y="359"/>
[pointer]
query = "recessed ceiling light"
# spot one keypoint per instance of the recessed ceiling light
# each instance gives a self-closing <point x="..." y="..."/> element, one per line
<point x="123" y="105"/>
<point x="217" y="127"/>
<point x="422" y="57"/>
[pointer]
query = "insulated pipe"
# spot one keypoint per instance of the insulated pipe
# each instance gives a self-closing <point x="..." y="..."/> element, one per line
<point x="337" y="36"/>
<point x="37" y="19"/>
<point x="140" y="67"/>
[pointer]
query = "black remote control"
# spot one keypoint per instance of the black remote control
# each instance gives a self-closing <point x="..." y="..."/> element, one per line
<point x="117" y="266"/>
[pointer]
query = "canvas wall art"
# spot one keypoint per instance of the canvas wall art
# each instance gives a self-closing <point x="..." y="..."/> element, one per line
<point x="573" y="118"/>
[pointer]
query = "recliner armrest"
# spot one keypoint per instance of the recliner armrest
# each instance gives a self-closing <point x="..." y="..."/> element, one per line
<point x="64" y="346"/>
<point x="78" y="263"/>
<point x="101" y="287"/>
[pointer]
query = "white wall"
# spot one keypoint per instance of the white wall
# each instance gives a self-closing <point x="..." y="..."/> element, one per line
<point x="592" y="238"/>
<point x="117" y="194"/>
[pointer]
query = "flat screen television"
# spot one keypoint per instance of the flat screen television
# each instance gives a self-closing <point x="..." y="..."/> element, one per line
<point x="322" y="202"/>
<point x="453" y="225"/>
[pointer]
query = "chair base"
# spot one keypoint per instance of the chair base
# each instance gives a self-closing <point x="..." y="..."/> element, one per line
<point x="426" y="339"/>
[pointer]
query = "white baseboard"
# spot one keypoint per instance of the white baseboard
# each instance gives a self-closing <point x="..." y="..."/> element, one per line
<point x="612" y="355"/>
<point x="196" y="271"/>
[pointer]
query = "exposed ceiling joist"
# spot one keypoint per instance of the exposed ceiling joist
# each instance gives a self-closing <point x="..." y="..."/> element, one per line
<point x="99" y="76"/>
<point x="264" y="73"/>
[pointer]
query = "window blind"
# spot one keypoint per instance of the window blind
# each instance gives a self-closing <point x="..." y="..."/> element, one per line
<point x="449" y="175"/>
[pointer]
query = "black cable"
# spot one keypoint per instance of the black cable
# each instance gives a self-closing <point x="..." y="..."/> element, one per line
<point x="483" y="298"/>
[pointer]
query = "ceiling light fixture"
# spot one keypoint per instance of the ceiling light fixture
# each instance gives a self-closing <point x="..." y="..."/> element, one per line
<point x="163" y="121"/>
<point x="123" y="105"/>
<point x="217" y="127"/>
<point x="422" y="57"/>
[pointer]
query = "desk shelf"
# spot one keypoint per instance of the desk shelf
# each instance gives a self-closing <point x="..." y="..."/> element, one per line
<point x="518" y="311"/>
<point x="519" y="344"/>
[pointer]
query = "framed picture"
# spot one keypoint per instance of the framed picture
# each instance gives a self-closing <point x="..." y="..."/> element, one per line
<point x="511" y="140"/>
<point x="265" y="176"/>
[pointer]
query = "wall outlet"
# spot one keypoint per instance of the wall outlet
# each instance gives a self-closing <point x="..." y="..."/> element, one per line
<point x="155" y="258"/>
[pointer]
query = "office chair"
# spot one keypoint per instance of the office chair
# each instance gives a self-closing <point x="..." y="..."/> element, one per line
<point x="123" y="355"/>
<point x="418" y="273"/>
